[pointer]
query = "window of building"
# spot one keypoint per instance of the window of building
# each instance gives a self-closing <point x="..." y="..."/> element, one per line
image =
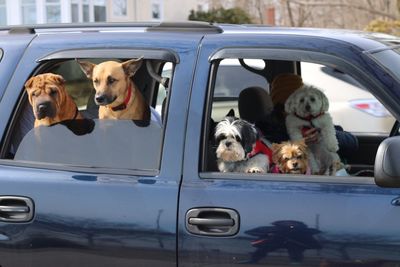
<point x="156" y="10"/>
<point x="75" y="11"/>
<point x="99" y="10"/>
<point x="28" y="11"/>
<point x="85" y="11"/>
<point x="119" y="8"/>
<point x="53" y="11"/>
<point x="3" y="12"/>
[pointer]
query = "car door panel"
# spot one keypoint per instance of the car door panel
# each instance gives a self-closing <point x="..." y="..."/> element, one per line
<point x="290" y="222"/>
<point x="89" y="220"/>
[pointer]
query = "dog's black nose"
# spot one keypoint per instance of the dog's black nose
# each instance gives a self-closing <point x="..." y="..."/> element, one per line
<point x="228" y="143"/>
<point x="100" y="99"/>
<point x="308" y="107"/>
<point x="295" y="164"/>
<point x="42" y="108"/>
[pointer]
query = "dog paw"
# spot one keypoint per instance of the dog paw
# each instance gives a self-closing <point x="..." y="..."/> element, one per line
<point x="255" y="170"/>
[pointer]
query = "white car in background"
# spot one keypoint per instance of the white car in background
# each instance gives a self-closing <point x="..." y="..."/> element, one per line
<point x="351" y="106"/>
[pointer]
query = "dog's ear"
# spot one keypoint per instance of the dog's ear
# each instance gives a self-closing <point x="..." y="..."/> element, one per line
<point x="290" y="104"/>
<point x="275" y="147"/>
<point x="131" y="66"/>
<point x="58" y="79"/>
<point x="231" y="113"/>
<point x="28" y="83"/>
<point x="87" y="67"/>
<point x="302" y="147"/>
<point x="324" y="100"/>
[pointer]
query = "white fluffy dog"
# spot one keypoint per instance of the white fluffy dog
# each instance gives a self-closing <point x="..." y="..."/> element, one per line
<point x="308" y="108"/>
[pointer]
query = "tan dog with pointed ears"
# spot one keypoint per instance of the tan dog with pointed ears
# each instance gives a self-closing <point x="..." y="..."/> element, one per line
<point x="116" y="94"/>
<point x="49" y="100"/>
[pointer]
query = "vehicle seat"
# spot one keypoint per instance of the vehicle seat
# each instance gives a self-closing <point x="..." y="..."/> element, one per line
<point x="254" y="104"/>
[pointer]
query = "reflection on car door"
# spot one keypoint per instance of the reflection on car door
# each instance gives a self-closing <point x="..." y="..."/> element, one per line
<point x="292" y="222"/>
<point x="86" y="219"/>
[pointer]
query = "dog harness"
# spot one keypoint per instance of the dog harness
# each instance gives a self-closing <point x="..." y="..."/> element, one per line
<point x="261" y="147"/>
<point x="309" y="118"/>
<point x="125" y="103"/>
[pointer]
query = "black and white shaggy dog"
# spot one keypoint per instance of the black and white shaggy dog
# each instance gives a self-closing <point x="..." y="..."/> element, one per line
<point x="236" y="139"/>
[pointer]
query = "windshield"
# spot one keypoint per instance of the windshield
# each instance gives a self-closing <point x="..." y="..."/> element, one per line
<point x="232" y="78"/>
<point x="390" y="59"/>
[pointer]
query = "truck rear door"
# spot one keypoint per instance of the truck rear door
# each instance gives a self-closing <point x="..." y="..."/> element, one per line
<point x="102" y="197"/>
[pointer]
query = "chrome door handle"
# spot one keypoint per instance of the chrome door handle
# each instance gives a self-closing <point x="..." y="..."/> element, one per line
<point x="212" y="221"/>
<point x="16" y="209"/>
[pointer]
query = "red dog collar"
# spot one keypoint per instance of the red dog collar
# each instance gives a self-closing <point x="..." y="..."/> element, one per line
<point x="127" y="98"/>
<point x="309" y="117"/>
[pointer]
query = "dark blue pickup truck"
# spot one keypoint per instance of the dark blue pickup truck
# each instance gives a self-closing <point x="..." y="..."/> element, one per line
<point x="126" y="195"/>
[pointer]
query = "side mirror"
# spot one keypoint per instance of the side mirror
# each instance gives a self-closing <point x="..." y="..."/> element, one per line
<point x="387" y="163"/>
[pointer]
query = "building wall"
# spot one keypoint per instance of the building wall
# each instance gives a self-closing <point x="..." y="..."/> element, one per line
<point x="115" y="10"/>
<point x="16" y="16"/>
<point x="142" y="10"/>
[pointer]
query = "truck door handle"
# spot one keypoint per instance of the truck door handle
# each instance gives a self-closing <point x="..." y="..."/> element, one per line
<point x="16" y="209"/>
<point x="212" y="221"/>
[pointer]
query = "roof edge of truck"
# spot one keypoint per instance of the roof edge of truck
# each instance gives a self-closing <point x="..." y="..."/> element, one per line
<point x="183" y="26"/>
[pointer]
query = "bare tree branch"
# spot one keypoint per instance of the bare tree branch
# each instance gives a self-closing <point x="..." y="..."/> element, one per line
<point x="289" y="9"/>
<point x="332" y="4"/>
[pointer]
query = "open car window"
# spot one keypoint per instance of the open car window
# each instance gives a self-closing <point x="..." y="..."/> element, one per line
<point x="108" y="144"/>
<point x="87" y="141"/>
<point x="351" y="105"/>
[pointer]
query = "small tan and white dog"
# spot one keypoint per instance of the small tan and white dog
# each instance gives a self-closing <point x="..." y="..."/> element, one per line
<point x="307" y="108"/>
<point x="290" y="157"/>
<point x="116" y="94"/>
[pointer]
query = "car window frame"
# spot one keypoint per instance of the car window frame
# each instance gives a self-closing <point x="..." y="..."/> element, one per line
<point x="286" y="55"/>
<point x="45" y="64"/>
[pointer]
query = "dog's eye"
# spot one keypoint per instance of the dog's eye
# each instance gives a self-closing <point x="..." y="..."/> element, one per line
<point x="220" y="137"/>
<point x="237" y="137"/>
<point x="96" y="81"/>
<point x="53" y="91"/>
<point x="36" y="93"/>
<point x="301" y="100"/>
<point x="110" y="80"/>
<point x="312" y="99"/>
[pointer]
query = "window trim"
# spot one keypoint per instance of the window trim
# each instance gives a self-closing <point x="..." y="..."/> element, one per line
<point x="48" y="63"/>
<point x="274" y="54"/>
<point x="277" y="177"/>
<point x="158" y="54"/>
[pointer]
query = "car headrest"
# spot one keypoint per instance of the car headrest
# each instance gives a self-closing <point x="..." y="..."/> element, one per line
<point x="255" y="104"/>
